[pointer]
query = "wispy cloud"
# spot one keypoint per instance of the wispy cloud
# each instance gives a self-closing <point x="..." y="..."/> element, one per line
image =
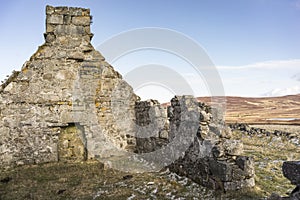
<point x="272" y="64"/>
<point x="283" y="91"/>
<point x="269" y="78"/>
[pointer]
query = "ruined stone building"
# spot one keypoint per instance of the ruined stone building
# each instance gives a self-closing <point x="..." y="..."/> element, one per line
<point x="68" y="104"/>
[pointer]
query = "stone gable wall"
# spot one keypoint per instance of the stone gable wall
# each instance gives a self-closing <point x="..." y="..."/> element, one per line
<point x="53" y="90"/>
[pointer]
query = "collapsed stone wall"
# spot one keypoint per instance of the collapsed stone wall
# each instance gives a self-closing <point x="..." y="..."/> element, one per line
<point x="152" y="127"/>
<point x="68" y="104"/>
<point x="65" y="83"/>
<point x="294" y="138"/>
<point x="210" y="157"/>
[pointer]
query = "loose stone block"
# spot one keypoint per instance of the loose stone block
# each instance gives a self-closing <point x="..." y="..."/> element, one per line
<point x="233" y="147"/>
<point x="247" y="183"/>
<point x="49" y="10"/>
<point x="291" y="170"/>
<point x="79" y="12"/>
<point x="246" y="164"/>
<point x="221" y="170"/>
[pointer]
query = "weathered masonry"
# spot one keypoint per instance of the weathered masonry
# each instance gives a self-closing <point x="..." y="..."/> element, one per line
<point x="68" y="104"/>
<point x="44" y="106"/>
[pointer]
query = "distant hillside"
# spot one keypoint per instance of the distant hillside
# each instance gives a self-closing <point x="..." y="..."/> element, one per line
<point x="266" y="110"/>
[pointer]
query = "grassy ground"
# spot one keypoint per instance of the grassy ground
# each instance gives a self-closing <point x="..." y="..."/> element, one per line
<point x="91" y="181"/>
<point x="269" y="154"/>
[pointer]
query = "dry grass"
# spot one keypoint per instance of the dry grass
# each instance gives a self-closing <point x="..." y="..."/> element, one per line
<point x="269" y="154"/>
<point x="90" y="181"/>
<point x="261" y="110"/>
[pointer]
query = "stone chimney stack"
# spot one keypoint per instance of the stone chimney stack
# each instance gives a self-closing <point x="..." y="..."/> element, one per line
<point x="64" y="23"/>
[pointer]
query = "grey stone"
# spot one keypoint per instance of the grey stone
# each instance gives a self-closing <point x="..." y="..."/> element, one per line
<point x="247" y="183"/>
<point x="295" y="194"/>
<point x="221" y="170"/>
<point x="218" y="151"/>
<point x="164" y="134"/>
<point x="291" y="170"/>
<point x="233" y="147"/>
<point x="49" y="37"/>
<point x="246" y="164"/>
<point x="274" y="196"/>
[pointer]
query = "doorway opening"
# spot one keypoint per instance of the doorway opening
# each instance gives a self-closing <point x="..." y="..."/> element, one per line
<point x="72" y="143"/>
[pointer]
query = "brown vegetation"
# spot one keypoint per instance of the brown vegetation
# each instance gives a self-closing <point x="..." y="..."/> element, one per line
<point x="267" y="110"/>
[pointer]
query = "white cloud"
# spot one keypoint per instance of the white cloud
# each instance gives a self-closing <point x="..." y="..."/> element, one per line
<point x="283" y="91"/>
<point x="260" y="79"/>
<point x="272" y="64"/>
<point x="248" y="80"/>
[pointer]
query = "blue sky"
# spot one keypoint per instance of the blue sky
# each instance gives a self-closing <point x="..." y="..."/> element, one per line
<point x="255" y="44"/>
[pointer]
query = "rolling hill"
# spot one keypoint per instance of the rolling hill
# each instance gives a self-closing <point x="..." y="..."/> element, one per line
<point x="266" y="110"/>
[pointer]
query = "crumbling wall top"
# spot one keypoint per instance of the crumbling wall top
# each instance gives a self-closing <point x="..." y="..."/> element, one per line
<point x="63" y="10"/>
<point x="71" y="22"/>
